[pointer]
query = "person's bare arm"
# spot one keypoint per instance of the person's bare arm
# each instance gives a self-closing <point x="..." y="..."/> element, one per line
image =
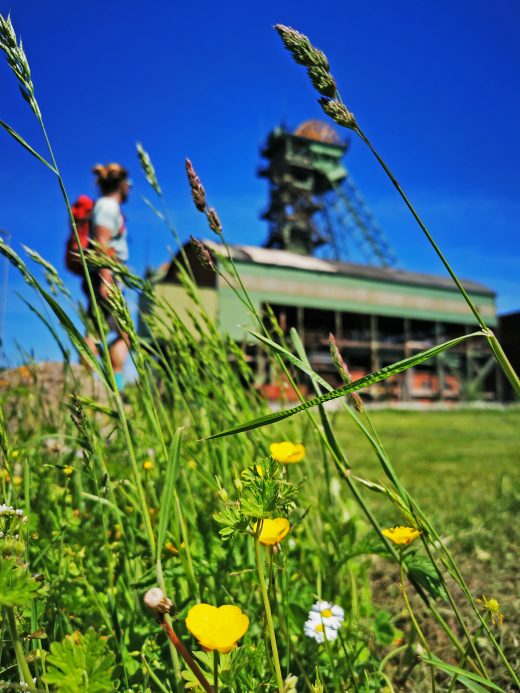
<point x="103" y="237"/>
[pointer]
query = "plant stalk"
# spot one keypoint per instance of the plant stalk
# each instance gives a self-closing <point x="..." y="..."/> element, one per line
<point x="267" y="609"/>
<point x="23" y="667"/>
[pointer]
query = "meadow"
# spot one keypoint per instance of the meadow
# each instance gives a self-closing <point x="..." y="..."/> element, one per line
<point x="184" y="536"/>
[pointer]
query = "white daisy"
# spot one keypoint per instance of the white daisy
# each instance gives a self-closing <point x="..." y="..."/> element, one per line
<point x="319" y="631"/>
<point x="331" y="615"/>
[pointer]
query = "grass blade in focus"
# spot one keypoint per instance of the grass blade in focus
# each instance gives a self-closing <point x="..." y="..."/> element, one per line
<point x="366" y="381"/>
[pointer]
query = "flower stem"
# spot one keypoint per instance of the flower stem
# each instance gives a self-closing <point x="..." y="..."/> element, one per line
<point x="23" y="667"/>
<point x="174" y="638"/>
<point x="215" y="671"/>
<point x="414" y="620"/>
<point x="267" y="609"/>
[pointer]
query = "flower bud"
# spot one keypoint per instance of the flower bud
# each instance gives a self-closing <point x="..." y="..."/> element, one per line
<point x="157" y="601"/>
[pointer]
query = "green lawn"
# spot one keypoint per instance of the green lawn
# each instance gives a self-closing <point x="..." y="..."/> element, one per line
<point x="459" y="465"/>
<point x="463" y="468"/>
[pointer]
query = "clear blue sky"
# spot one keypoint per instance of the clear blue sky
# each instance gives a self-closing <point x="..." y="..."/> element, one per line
<point x="435" y="85"/>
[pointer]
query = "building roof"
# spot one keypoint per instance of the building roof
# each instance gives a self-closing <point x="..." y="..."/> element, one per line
<point x="284" y="258"/>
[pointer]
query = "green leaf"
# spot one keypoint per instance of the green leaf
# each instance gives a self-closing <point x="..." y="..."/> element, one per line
<point x="377" y="376"/>
<point x="424" y="572"/>
<point x="17" y="586"/>
<point x="172" y="470"/>
<point x="27" y="146"/>
<point x="81" y="664"/>
<point x="470" y="679"/>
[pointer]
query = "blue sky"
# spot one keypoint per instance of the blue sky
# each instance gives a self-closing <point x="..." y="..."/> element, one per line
<point x="434" y="85"/>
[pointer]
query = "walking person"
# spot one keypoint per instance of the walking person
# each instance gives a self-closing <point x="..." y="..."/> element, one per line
<point x="108" y="230"/>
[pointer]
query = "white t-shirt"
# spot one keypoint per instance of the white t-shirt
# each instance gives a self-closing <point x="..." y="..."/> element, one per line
<point x="107" y="213"/>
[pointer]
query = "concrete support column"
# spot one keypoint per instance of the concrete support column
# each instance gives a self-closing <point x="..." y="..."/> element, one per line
<point x="406" y="389"/>
<point x="439" y="361"/>
<point x="300" y="322"/>
<point x="374" y="353"/>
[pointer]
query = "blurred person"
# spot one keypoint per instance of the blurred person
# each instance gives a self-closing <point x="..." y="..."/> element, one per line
<point x="108" y="230"/>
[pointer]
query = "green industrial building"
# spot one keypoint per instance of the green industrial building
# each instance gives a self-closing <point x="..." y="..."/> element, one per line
<point x="377" y="315"/>
<point x="327" y="267"/>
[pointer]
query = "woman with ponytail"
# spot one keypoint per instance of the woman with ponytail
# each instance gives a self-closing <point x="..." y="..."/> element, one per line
<point x="108" y="230"/>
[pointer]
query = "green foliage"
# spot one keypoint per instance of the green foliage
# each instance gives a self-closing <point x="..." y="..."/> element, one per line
<point x="81" y="664"/>
<point x="422" y="570"/>
<point x="17" y="586"/>
<point x="265" y="492"/>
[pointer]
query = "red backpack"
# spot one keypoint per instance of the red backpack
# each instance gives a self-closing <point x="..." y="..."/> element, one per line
<point x="82" y="212"/>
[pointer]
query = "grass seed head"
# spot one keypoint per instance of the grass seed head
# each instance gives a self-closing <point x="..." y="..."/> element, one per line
<point x="17" y="61"/>
<point x="339" y="113"/>
<point x="301" y="49"/>
<point x="344" y="372"/>
<point x="214" y="221"/>
<point x="148" y="169"/>
<point x="203" y="254"/>
<point x="197" y="190"/>
<point x="322" y="81"/>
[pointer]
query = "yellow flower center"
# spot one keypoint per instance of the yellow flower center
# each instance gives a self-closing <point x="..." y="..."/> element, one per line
<point x="326" y="613"/>
<point x="493" y="606"/>
<point x="319" y="628"/>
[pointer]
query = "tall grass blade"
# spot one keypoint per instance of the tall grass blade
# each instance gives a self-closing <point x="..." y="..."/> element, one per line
<point x="172" y="470"/>
<point x="468" y="676"/>
<point x="366" y="381"/>
<point x="27" y="146"/>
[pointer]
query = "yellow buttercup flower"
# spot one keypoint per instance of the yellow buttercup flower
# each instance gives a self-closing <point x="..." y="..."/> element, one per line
<point x="68" y="470"/>
<point x="273" y="531"/>
<point x="148" y="464"/>
<point x="286" y="452"/>
<point x="217" y="628"/>
<point x="401" y="535"/>
<point x="493" y="606"/>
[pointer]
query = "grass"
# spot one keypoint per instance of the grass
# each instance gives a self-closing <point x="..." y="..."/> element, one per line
<point x="454" y="462"/>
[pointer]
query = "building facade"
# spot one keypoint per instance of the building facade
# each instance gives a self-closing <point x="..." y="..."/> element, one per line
<point x="377" y="315"/>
